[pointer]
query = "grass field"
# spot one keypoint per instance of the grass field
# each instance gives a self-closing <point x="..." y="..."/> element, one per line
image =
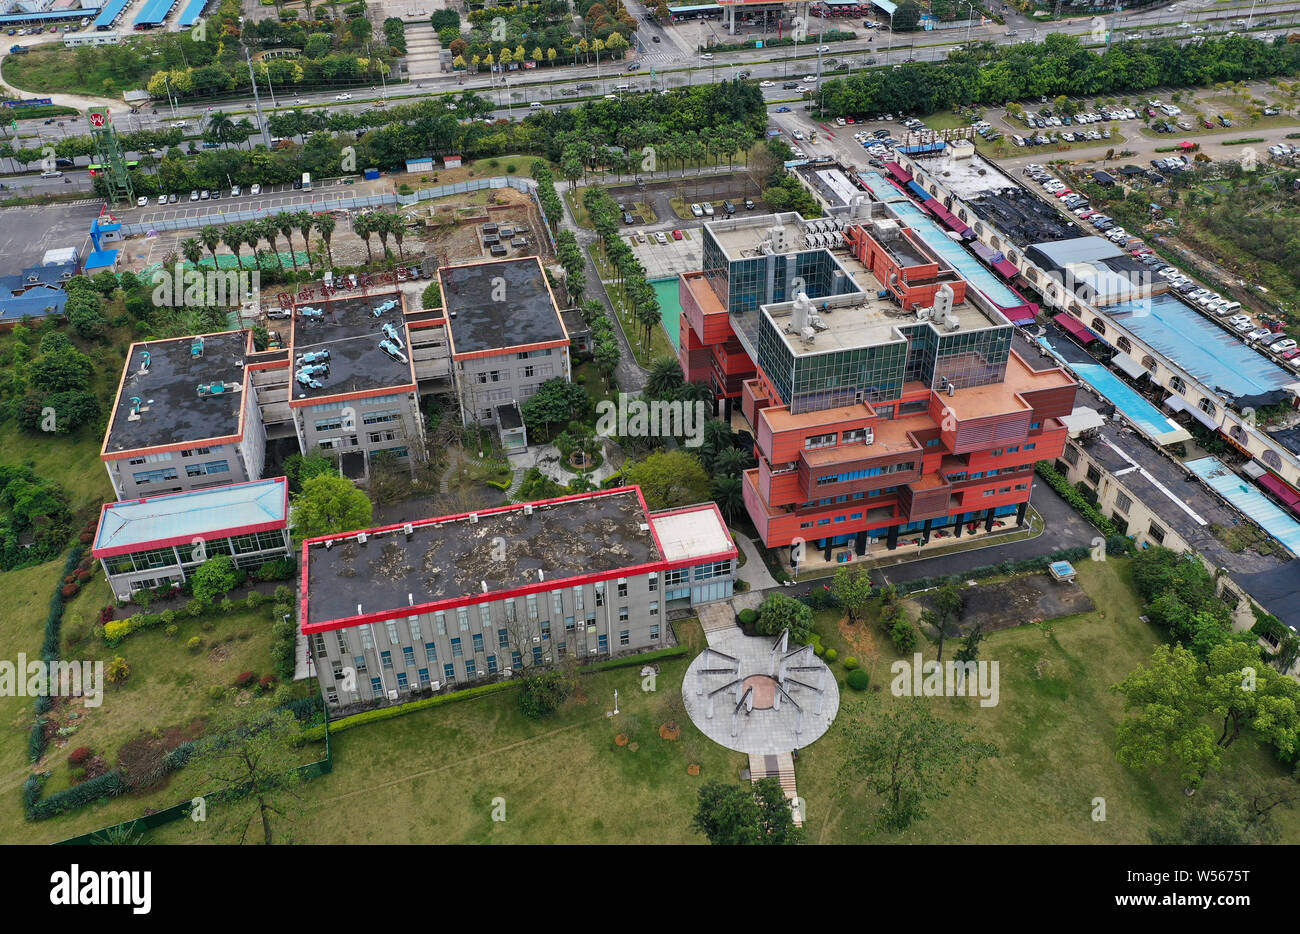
<point x="1055" y="728"/>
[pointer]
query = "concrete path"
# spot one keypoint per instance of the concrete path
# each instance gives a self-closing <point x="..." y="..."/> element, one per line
<point x="755" y="572"/>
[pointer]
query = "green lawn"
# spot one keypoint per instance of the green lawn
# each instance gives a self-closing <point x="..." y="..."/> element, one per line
<point x="1055" y="727"/>
<point x="432" y="776"/>
<point x="660" y="345"/>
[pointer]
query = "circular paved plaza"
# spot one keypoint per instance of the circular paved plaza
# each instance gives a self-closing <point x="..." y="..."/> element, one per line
<point x="749" y="694"/>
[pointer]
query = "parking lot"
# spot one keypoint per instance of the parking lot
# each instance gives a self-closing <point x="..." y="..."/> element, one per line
<point x="272" y="198"/>
<point x="662" y="260"/>
<point x="27" y="232"/>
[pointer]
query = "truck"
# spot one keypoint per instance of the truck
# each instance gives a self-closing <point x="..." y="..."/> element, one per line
<point x="17" y="49"/>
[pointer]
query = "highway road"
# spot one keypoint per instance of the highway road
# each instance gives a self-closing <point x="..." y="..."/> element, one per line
<point x="675" y="66"/>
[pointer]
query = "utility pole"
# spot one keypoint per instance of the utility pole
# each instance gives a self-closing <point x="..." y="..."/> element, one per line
<point x="257" y="100"/>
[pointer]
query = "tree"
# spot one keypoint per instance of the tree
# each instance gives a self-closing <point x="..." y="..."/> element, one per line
<point x="329" y="504"/>
<point x="252" y="770"/>
<point x="908" y="758"/>
<point x="192" y="250"/>
<point x="210" y="237"/>
<point x="665" y="377"/>
<point x="735" y="815"/>
<point x="214" y="578"/>
<point x="283" y="222"/>
<point x="1167" y="705"/>
<point x="300" y="468"/>
<point x="906" y="16"/>
<point x="304" y="221"/>
<point x="779" y="612"/>
<point x="729" y="495"/>
<point x="61" y="370"/>
<point x="1224" y="817"/>
<point x="556" y="402"/>
<point x="324" y="224"/>
<point x="669" y="478"/>
<point x="852" y="587"/>
<point x="903" y="634"/>
<point x="948" y="602"/>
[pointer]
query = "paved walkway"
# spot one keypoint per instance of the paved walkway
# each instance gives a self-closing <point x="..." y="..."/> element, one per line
<point x="755" y="572"/>
<point x="742" y="696"/>
<point x="780" y="767"/>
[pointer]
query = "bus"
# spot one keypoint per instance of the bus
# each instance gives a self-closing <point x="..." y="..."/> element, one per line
<point x="306" y="181"/>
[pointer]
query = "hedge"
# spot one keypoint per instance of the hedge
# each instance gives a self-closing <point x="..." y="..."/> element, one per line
<point x="108" y="785"/>
<point x="858" y="679"/>
<point x="1076" y="499"/>
<point x="50" y="652"/>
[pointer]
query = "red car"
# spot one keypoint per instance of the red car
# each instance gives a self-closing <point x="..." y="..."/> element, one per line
<point x="677" y="234"/>
<point x="1291" y="354"/>
<point x="849" y="121"/>
<point x="1064" y="193"/>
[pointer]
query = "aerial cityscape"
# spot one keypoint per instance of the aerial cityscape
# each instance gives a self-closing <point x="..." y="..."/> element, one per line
<point x="613" y="422"/>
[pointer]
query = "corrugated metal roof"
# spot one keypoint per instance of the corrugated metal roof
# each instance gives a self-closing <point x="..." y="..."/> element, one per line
<point x="1248" y="500"/>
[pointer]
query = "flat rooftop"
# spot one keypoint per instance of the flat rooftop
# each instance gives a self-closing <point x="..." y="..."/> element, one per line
<point x="1000" y="398"/>
<point x="831" y="182"/>
<point x="454" y="557"/>
<point x="696" y="532"/>
<point x="350" y="331"/>
<point x="499" y="304"/>
<point x="968" y="178"/>
<point x="743" y="236"/>
<point x="863" y="321"/>
<point x="177" y="518"/>
<point x="172" y="411"/>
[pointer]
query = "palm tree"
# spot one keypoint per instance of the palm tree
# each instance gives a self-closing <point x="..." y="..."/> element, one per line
<point x="665" y="377"/>
<point x="253" y="236"/>
<point x="192" y="250"/>
<point x="729" y="462"/>
<point x="269" y="231"/>
<point x="303" y="221"/>
<point x="383" y="227"/>
<point x="363" y="226"/>
<point x="233" y="237"/>
<point x="729" y="495"/>
<point x="284" y="222"/>
<point x="399" y="234"/>
<point x="210" y="237"/>
<point x="324" y="224"/>
<point x="221" y="127"/>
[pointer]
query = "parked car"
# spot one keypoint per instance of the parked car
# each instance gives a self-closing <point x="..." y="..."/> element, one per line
<point x="661" y="238"/>
<point x="194" y="195"/>
<point x="677" y="234"/>
<point x="728" y="207"/>
<point x="708" y="208"/>
<point x="141" y="201"/>
<point x="162" y="199"/>
<point x="1258" y="334"/>
<point x="749" y="204"/>
<point x="1282" y="346"/>
<point x="697" y="210"/>
<point x="255" y="189"/>
<point x="234" y="191"/>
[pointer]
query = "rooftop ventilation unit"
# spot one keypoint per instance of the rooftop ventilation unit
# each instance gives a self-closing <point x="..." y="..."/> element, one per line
<point x="644" y="526"/>
<point x="196" y="347"/>
<point x="393" y="350"/>
<point x="328" y="542"/>
<point x="145" y="356"/>
<point x="473" y="518"/>
<point x="809" y="336"/>
<point x="528" y="509"/>
<point x="362" y="538"/>
<point x="800" y="313"/>
<point x="777" y="235"/>
<point x="408" y="530"/>
<point x="391" y="333"/>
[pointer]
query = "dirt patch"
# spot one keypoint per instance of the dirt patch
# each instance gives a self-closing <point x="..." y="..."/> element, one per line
<point x="219" y="653"/>
<point x="142" y="759"/>
<point x="692" y="770"/>
<point x="620" y="739"/>
<point x="860" y="640"/>
<point x="1021" y="600"/>
<point x="671" y="732"/>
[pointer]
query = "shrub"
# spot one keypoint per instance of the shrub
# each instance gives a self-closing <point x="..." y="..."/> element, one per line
<point x="227" y="605"/>
<point x="245" y="679"/>
<point x="780" y="612"/>
<point x="255" y="599"/>
<point x="284" y="595"/>
<point x="543" y="693"/>
<point x="195" y="608"/>
<point x="69" y="590"/>
<point x="194" y="644"/>
<point x="171" y="631"/>
<point x="748" y="617"/>
<point x="831" y="655"/>
<point x="117" y="630"/>
<point x="216" y="692"/>
<point x="850" y="663"/>
<point x="903" y="634"/>
<point x="214" y="577"/>
<point x="117" y="670"/>
<point x="106" y="614"/>
<point x="79" y="755"/>
<point x="266" y="682"/>
<point x="858" y="679"/>
<point x="818" y="649"/>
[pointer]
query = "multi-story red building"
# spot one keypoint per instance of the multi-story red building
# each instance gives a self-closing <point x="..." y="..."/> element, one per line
<point x="891" y="404"/>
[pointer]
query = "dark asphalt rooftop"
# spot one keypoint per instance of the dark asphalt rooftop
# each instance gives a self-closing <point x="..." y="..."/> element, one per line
<point x="444" y="560"/>
<point x="172" y="410"/>
<point x="1023" y="216"/>
<point x="500" y="304"/>
<point x="352" y="334"/>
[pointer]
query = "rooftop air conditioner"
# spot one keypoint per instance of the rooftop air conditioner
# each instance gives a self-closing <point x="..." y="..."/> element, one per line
<point x="473" y="518"/>
<point x="408" y="529"/>
<point x="361" y="538"/>
<point x="528" y="509"/>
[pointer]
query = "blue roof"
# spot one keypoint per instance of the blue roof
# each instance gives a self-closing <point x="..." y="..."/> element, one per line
<point x="1198" y="345"/>
<point x="109" y="13"/>
<point x="138" y="523"/>
<point x="101" y="259"/>
<point x="44" y="16"/>
<point x="37" y="302"/>
<point x="889" y="8"/>
<point x="154" y="12"/>
<point x="190" y="15"/>
<point x="1248" y="499"/>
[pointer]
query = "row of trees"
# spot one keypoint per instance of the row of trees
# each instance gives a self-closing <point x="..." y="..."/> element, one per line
<point x="992" y="75"/>
<point x="269" y="230"/>
<point x="634" y="290"/>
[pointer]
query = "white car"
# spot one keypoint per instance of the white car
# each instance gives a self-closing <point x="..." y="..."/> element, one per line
<point x="141" y="201"/>
<point x="767" y="84"/>
<point x="194" y="195"/>
<point x="1242" y="326"/>
<point x="162" y="199"/>
<point x="1282" y="346"/>
<point x="1258" y="334"/>
<point x="235" y="191"/>
<point x="178" y="125"/>
<point x="343" y="97"/>
<point x="801" y="90"/>
<point x="707" y="56"/>
<point x="255" y="189"/>
<point x="298" y="101"/>
<point x="811" y="79"/>
<point x="823" y="48"/>
<point x="708" y="208"/>
<point x="697" y="210"/>
<point x="839" y="121"/>
<point x="661" y="238"/>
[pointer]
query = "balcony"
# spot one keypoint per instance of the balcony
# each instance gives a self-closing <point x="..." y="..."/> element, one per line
<point x="927" y="498"/>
